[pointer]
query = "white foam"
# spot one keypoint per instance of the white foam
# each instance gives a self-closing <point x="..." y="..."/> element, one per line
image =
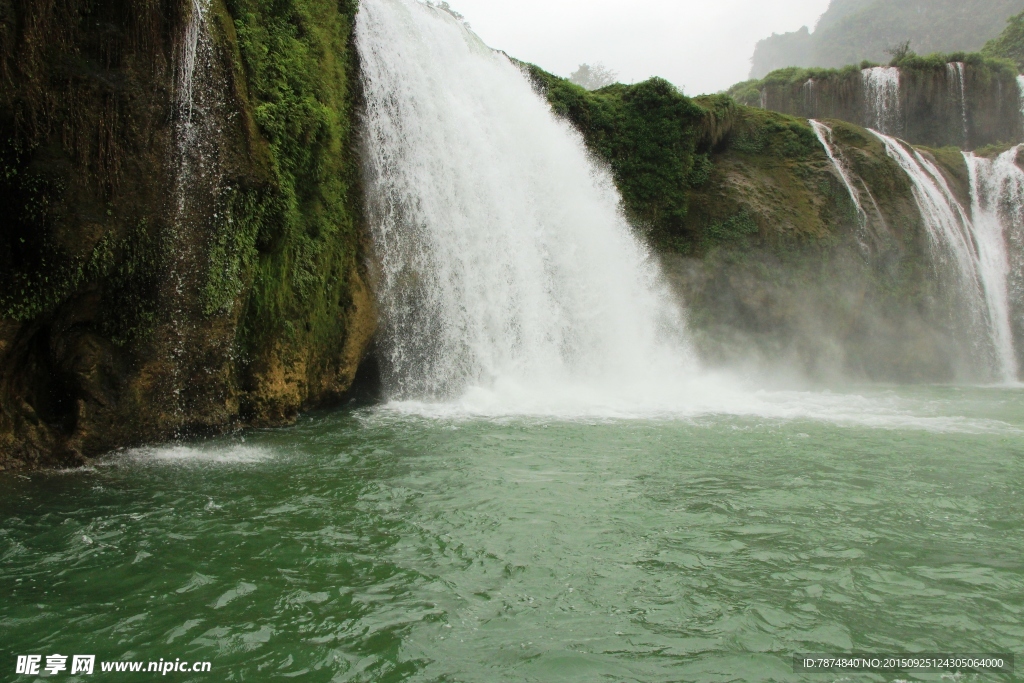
<point x="700" y="399"/>
<point x="220" y="454"/>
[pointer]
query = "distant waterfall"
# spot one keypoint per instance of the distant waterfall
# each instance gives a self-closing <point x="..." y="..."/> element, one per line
<point x="507" y="275"/>
<point x="958" y="86"/>
<point x="883" y="108"/>
<point x="1020" y="88"/>
<point x="810" y="98"/>
<point x="997" y="195"/>
<point x="975" y="247"/>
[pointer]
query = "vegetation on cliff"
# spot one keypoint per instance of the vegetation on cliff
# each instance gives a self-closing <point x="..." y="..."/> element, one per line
<point x="1010" y="44"/>
<point x="657" y="143"/>
<point x="302" y="230"/>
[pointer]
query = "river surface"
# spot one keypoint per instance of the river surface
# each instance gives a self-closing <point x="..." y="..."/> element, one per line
<point x="385" y="544"/>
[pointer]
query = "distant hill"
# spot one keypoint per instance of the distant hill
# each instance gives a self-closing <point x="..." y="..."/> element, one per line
<point x="851" y="31"/>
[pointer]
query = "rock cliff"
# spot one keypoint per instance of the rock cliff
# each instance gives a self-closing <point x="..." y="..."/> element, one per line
<point x="182" y="245"/>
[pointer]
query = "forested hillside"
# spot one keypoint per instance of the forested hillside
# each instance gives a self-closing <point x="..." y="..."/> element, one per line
<point x="855" y="30"/>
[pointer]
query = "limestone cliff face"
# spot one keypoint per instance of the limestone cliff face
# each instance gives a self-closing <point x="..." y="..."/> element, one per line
<point x="181" y="240"/>
<point x="967" y="101"/>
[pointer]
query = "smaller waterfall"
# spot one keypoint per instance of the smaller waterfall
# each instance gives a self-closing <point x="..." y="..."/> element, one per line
<point x="946" y="221"/>
<point x="810" y="99"/>
<point x="824" y="134"/>
<point x="186" y="67"/>
<point x="997" y="198"/>
<point x="883" y="110"/>
<point x="958" y="85"/>
<point x="976" y="244"/>
<point x="1020" y="87"/>
<point x="196" y="176"/>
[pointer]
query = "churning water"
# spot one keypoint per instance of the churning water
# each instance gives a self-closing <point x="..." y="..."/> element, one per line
<point x="375" y="547"/>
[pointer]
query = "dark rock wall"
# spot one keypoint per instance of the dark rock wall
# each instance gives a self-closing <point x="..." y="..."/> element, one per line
<point x="136" y="303"/>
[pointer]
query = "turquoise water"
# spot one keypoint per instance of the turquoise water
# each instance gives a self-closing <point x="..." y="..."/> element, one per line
<point x="379" y="545"/>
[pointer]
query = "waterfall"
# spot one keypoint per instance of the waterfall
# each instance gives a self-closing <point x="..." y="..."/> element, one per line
<point x="997" y="198"/>
<point x="196" y="175"/>
<point x="508" y="276"/>
<point x="883" y="110"/>
<point x="1020" y="87"/>
<point x="974" y="250"/>
<point x="195" y="31"/>
<point x="810" y="99"/>
<point x="958" y="85"/>
<point x="824" y="134"/>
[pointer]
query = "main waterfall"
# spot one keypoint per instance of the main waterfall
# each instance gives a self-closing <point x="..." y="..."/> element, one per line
<point x="508" y="277"/>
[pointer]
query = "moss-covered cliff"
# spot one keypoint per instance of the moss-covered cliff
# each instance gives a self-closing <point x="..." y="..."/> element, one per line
<point x="759" y="234"/>
<point x="169" y="268"/>
<point x="935" y="107"/>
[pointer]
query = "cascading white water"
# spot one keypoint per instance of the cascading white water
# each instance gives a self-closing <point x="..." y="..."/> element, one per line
<point x="882" y="99"/>
<point x="997" y="196"/>
<point x="958" y="85"/>
<point x="974" y="250"/>
<point x="824" y="134"/>
<point x="1020" y="88"/>
<point x="508" y="276"/>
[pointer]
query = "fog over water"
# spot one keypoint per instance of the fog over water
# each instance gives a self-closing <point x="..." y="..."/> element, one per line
<point x="700" y="46"/>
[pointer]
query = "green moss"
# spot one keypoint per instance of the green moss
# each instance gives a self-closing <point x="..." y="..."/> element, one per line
<point x="660" y="146"/>
<point x="233" y="251"/>
<point x="297" y="239"/>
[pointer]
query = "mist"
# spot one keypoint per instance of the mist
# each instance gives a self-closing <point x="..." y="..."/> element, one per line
<point x="701" y="47"/>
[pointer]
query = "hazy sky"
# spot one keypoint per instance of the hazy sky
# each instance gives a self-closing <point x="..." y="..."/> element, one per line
<point x="701" y="45"/>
